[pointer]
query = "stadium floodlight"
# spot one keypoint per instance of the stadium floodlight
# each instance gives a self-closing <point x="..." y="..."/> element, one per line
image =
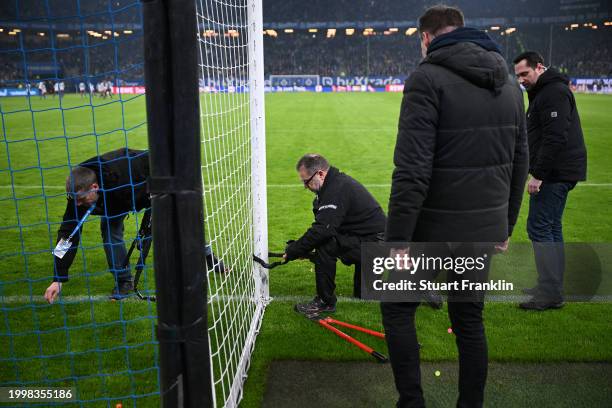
<point x="63" y="35"/>
<point x="331" y="32"/>
<point x="41" y="34"/>
<point x="411" y="31"/>
<point x="349" y="31"/>
<point x="12" y="33"/>
<point x="272" y="33"/>
<point x="495" y="28"/>
<point x="289" y="30"/>
<point x="510" y="30"/>
<point x="394" y="29"/>
<point x="312" y="30"/>
<point x="127" y="31"/>
<point x="17" y="30"/>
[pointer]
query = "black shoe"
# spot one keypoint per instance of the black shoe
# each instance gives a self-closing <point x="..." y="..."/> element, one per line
<point x="314" y="307"/>
<point x="123" y="289"/>
<point x="215" y="264"/>
<point x="541" y="305"/>
<point x="531" y="291"/>
<point x="433" y="299"/>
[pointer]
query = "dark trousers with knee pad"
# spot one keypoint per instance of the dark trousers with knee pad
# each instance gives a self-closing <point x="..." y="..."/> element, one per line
<point x="346" y="248"/>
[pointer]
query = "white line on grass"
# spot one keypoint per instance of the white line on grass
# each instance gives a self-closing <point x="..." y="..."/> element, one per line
<point x="21" y="299"/>
<point x="33" y="187"/>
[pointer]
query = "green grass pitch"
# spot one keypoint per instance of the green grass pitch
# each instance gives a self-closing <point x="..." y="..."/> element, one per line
<point x="108" y="349"/>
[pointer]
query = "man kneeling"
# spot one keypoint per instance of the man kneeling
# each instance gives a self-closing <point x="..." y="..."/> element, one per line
<point x="346" y="215"/>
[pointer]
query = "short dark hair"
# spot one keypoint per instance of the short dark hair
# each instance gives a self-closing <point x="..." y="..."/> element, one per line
<point x="312" y="162"/>
<point x="533" y="59"/>
<point x="439" y="17"/>
<point x="80" y="179"/>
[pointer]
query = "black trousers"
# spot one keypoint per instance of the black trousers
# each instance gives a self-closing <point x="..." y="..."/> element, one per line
<point x="468" y="327"/>
<point x="400" y="333"/>
<point x="347" y="248"/>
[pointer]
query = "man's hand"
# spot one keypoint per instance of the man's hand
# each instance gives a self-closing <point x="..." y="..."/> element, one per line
<point x="533" y="186"/>
<point x="502" y="247"/>
<point x="52" y="291"/>
<point x="284" y="257"/>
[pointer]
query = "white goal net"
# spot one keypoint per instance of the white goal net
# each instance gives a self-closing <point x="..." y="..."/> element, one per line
<point x="233" y="174"/>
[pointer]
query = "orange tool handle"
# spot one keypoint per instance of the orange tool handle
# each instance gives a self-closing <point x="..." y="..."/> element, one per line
<point x="358" y="328"/>
<point x="381" y="358"/>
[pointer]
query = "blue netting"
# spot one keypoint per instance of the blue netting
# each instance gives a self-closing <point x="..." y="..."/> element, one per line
<point x="105" y="350"/>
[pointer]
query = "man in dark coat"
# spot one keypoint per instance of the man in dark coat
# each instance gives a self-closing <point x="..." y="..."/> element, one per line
<point x="346" y="215"/>
<point x="557" y="161"/>
<point x="461" y="162"/>
<point x="110" y="185"/>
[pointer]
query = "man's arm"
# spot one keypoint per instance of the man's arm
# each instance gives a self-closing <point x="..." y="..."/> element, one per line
<point x="70" y="221"/>
<point x="327" y="220"/>
<point x="520" y="169"/>
<point x="413" y="157"/>
<point x="556" y="115"/>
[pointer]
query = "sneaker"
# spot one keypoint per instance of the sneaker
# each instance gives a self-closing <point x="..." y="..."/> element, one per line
<point x="541" y="305"/>
<point x="531" y="291"/>
<point x="315" y="307"/>
<point x="122" y="290"/>
<point x="215" y="264"/>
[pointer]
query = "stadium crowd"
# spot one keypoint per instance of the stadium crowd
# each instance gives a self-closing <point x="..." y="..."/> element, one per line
<point x="375" y="10"/>
<point x="583" y="52"/>
<point x="580" y="52"/>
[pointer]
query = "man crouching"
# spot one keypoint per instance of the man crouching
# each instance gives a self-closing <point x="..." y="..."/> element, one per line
<point x="346" y="214"/>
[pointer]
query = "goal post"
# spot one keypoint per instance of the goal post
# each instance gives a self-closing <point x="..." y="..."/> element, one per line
<point x="230" y="39"/>
<point x="258" y="143"/>
<point x="205" y="85"/>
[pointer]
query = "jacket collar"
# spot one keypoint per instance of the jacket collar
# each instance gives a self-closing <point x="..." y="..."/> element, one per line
<point x="549" y="76"/>
<point x="464" y="34"/>
<point x="329" y="179"/>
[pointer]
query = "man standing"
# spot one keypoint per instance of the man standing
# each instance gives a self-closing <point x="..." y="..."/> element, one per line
<point x="461" y="163"/>
<point x="557" y="161"/>
<point x="346" y="215"/>
<point x="61" y="88"/>
<point x="43" y="89"/>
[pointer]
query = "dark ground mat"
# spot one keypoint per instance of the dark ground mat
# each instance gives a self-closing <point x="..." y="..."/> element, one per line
<point x="315" y="384"/>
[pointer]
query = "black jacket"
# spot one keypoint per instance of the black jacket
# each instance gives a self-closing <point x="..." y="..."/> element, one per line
<point x="461" y="156"/>
<point x="556" y="145"/>
<point x="122" y="179"/>
<point x="343" y="206"/>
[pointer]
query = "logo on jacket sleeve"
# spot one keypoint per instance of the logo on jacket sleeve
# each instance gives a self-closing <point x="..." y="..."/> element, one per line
<point x="553" y="114"/>
<point x="328" y="206"/>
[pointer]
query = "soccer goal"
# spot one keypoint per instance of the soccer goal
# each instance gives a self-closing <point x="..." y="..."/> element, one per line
<point x="234" y="179"/>
<point x="206" y="60"/>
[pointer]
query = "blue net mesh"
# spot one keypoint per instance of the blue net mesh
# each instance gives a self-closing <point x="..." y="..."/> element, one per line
<point x="71" y="89"/>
